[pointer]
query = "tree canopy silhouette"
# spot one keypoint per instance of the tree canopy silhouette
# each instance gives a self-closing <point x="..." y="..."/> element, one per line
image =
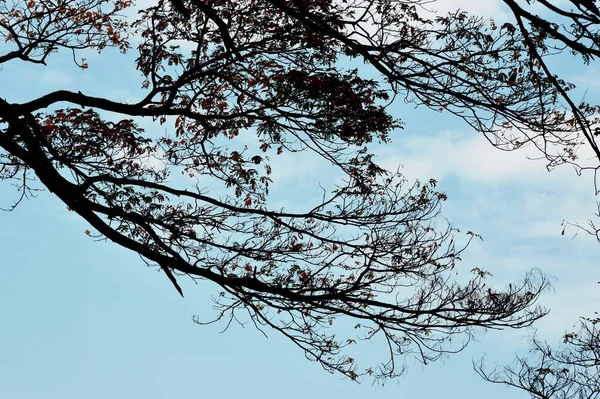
<point x="567" y="134"/>
<point x="373" y="250"/>
<point x="570" y="371"/>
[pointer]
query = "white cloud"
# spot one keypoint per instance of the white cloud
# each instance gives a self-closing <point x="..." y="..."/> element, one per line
<point x="487" y="8"/>
<point x="470" y="157"/>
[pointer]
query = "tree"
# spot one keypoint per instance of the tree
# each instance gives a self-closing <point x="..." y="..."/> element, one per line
<point x="568" y="128"/>
<point x="374" y="250"/>
<point x="567" y="134"/>
<point x="571" y="372"/>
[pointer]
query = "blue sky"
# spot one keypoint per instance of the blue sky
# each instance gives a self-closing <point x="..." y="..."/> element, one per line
<point x="88" y="319"/>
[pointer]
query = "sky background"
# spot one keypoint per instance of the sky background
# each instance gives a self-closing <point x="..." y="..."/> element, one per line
<point x="85" y="319"/>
